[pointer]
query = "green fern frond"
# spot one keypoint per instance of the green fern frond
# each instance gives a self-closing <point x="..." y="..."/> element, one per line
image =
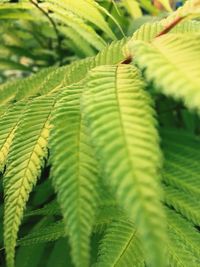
<point x="120" y="246"/>
<point x="49" y="233"/>
<point x="149" y="31"/>
<point x="77" y="24"/>
<point x="24" y="164"/>
<point x="85" y="48"/>
<point x="30" y="86"/>
<point x="179" y="255"/>
<point x="112" y="54"/>
<point x="16" y="13"/>
<point x="8" y="91"/>
<point x="181" y="175"/>
<point x="126" y="145"/>
<point x="23" y="88"/>
<point x="172" y="53"/>
<point x="74" y="172"/>
<point x="106" y="215"/>
<point x="78" y="8"/>
<point x="3" y="110"/>
<point x="8" y="125"/>
<point x="20" y="5"/>
<point x="53" y="79"/>
<point x="185" y="231"/>
<point x="180" y="171"/>
<point x="49" y="209"/>
<point x="53" y="231"/>
<point x="187" y="205"/>
<point x="183" y="238"/>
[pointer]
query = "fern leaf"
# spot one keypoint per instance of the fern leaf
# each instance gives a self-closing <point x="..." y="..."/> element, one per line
<point x="31" y="86"/>
<point x="112" y="54"/>
<point x="84" y="50"/>
<point x="51" y="79"/>
<point x="56" y="230"/>
<point x="172" y="53"/>
<point x="180" y="171"/>
<point x="178" y="255"/>
<point x="8" y="125"/>
<point x="149" y="31"/>
<point x="49" y="209"/>
<point x="181" y="176"/>
<point x="106" y="215"/>
<point x="185" y="231"/>
<point x="120" y="246"/>
<point x="78" y="25"/>
<point x="67" y="75"/>
<point x="49" y="233"/>
<point x="74" y="173"/>
<point x="182" y="250"/>
<point x="15" y="14"/>
<point x="15" y="6"/>
<point x="24" y="163"/>
<point x="127" y="147"/>
<point x="54" y="81"/>
<point x="92" y="15"/>
<point x="187" y="205"/>
<point x="3" y="110"/>
<point x="8" y="92"/>
<point x="23" y="88"/>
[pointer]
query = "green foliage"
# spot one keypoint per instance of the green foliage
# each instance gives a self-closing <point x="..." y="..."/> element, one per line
<point x="171" y="52"/>
<point x="99" y="158"/>
<point x="126" y="248"/>
<point x="24" y="163"/>
<point x="112" y="99"/>
<point x="76" y="170"/>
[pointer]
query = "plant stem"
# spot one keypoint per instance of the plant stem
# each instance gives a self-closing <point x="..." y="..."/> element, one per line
<point x="167" y="29"/>
<point x="170" y="26"/>
<point x="50" y="20"/>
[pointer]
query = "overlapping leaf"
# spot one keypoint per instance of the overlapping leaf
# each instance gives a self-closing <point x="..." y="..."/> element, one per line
<point x="122" y="126"/>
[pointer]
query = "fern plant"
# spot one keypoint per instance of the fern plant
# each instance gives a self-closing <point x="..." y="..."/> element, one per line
<point x="99" y="159"/>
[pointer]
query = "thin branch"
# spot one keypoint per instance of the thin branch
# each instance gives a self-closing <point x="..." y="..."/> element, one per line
<point x="34" y="2"/>
<point x="170" y="26"/>
<point x="167" y="29"/>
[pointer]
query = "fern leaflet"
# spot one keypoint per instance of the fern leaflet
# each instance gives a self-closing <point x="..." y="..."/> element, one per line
<point x="126" y="146"/>
<point x="24" y="164"/>
<point x="74" y="172"/>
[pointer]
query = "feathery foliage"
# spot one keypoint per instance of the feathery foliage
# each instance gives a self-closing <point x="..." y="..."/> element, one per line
<point x="100" y="134"/>
<point x="112" y="99"/>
